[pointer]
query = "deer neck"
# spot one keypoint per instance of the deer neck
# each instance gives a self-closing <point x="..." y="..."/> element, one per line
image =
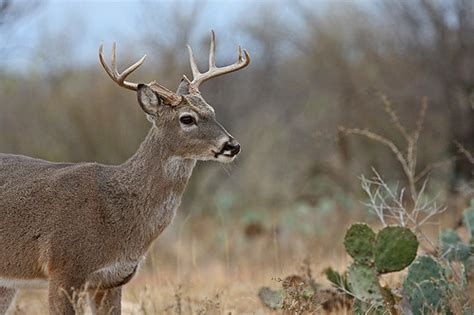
<point x="155" y="181"/>
<point x="154" y="170"/>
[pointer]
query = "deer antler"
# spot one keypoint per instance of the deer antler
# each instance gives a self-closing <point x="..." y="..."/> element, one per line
<point x="213" y="71"/>
<point x="113" y="73"/>
<point x="169" y="97"/>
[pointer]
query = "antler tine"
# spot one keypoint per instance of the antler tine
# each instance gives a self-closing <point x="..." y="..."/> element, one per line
<point x="132" y="68"/>
<point x="113" y="73"/>
<point x="114" y="59"/>
<point x="192" y="61"/>
<point x="103" y="63"/>
<point x="214" y="71"/>
<point x="212" y="51"/>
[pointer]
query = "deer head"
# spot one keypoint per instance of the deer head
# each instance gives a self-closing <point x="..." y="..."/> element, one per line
<point x="185" y="121"/>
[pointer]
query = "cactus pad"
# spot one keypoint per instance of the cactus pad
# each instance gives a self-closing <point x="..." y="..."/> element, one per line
<point x="423" y="268"/>
<point x="272" y="298"/>
<point x="359" y="242"/>
<point x="339" y="280"/>
<point x="394" y="249"/>
<point x="364" y="284"/>
<point x="452" y="246"/>
<point x="427" y="298"/>
<point x="468" y="265"/>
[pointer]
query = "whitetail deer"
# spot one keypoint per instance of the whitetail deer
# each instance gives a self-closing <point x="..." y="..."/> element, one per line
<point x="87" y="226"/>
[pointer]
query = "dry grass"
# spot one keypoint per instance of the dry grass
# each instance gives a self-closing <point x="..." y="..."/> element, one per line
<point x="202" y="266"/>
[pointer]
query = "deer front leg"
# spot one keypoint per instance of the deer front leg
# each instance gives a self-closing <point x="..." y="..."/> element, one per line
<point x="7" y="295"/>
<point x="64" y="294"/>
<point x="106" y="302"/>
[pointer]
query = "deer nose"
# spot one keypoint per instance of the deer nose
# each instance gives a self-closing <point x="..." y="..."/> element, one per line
<point x="232" y="146"/>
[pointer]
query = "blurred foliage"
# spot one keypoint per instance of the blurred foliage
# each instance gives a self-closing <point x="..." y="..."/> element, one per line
<point x="310" y="73"/>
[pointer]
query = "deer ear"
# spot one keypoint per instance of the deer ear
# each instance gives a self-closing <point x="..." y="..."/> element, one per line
<point x="183" y="87"/>
<point x="148" y="99"/>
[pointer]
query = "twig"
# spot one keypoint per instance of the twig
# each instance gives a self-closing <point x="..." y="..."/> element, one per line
<point x="464" y="151"/>
<point x="393" y="115"/>
<point x="372" y="135"/>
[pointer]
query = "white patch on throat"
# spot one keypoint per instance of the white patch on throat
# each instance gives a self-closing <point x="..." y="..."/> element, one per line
<point x="167" y="211"/>
<point x="177" y="171"/>
<point x="177" y="168"/>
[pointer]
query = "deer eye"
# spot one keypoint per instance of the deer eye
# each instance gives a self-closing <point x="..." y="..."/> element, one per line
<point x="187" y="120"/>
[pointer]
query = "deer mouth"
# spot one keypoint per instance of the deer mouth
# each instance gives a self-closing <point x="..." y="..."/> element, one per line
<point x="221" y="153"/>
<point x="223" y="156"/>
<point x="224" y="152"/>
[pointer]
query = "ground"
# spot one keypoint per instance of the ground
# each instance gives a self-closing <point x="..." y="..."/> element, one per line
<point x="216" y="264"/>
<point x="204" y="266"/>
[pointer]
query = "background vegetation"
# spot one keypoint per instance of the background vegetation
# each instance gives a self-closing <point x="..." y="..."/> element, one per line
<point x="316" y="66"/>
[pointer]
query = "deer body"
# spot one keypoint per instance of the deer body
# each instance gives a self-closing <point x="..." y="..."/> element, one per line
<point x="76" y="226"/>
<point x="125" y="207"/>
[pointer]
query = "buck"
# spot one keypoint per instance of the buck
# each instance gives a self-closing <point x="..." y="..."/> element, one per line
<point x="87" y="226"/>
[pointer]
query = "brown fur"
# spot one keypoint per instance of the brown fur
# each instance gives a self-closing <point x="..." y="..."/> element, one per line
<point x="88" y="225"/>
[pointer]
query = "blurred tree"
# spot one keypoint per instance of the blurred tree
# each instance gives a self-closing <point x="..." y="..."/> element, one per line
<point x="311" y="70"/>
<point x="438" y="37"/>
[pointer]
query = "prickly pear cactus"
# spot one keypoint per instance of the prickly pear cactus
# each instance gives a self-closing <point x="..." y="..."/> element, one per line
<point x="426" y="287"/>
<point x="395" y="248"/>
<point x="272" y="298"/>
<point x="423" y="268"/>
<point x="468" y="264"/>
<point x="359" y="242"/>
<point x="454" y="249"/>
<point x="427" y="298"/>
<point x="337" y="279"/>
<point x="452" y="246"/>
<point x="364" y="284"/>
<point x="392" y="249"/>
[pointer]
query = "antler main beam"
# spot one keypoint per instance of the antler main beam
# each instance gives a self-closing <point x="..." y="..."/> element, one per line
<point x="199" y="77"/>
<point x="113" y="73"/>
